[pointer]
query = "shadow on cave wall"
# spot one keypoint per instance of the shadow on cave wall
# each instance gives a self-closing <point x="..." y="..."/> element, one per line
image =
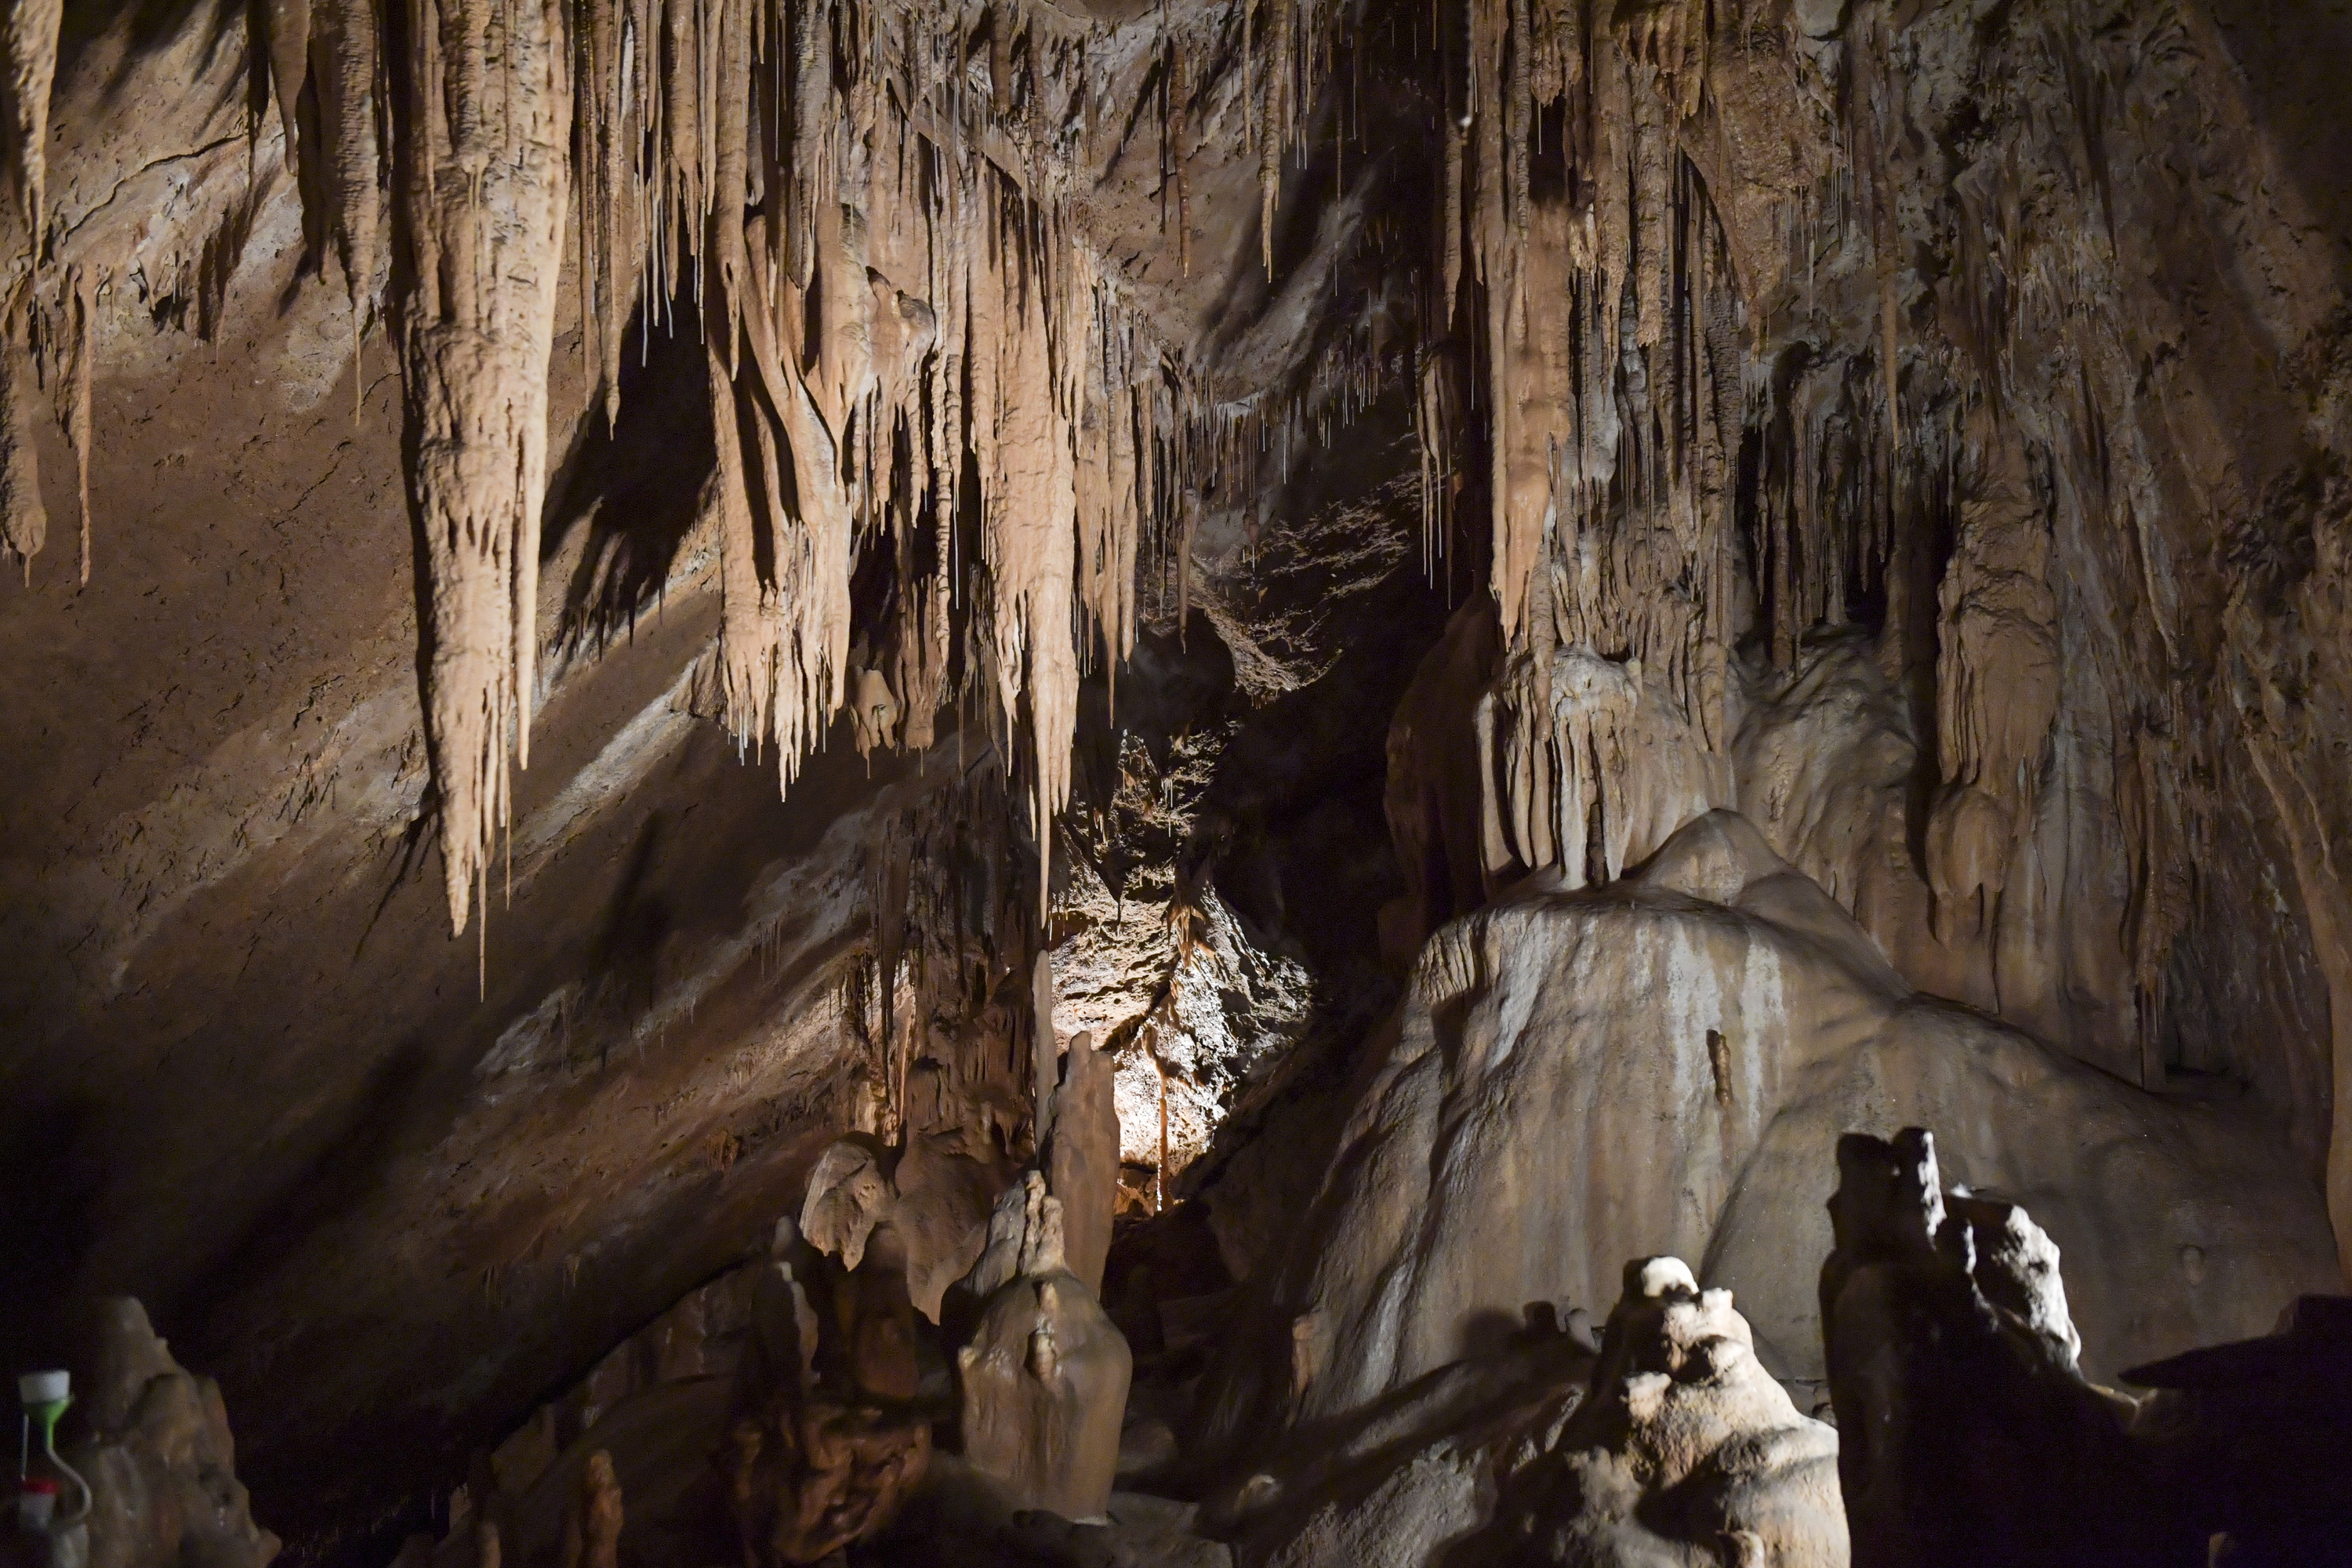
<point x="345" y="1167"/>
<point x="636" y="488"/>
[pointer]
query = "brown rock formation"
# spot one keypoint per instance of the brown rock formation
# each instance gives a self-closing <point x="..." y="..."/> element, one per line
<point x="1702" y="1033"/>
<point x="1044" y="1379"/>
<point x="591" y="1531"/>
<point x="157" y="1454"/>
<point x="1685" y="1452"/>
<point x="1969" y="1435"/>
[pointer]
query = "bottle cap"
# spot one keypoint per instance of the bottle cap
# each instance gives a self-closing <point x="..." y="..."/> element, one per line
<point x="44" y="1387"/>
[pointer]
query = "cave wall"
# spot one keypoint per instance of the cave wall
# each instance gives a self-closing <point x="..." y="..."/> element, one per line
<point x="1958" y="401"/>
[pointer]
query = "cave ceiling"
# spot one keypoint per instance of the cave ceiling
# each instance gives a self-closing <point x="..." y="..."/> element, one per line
<point x="591" y="583"/>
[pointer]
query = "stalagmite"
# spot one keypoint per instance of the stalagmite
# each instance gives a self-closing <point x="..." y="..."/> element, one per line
<point x="480" y="213"/>
<point x="1046" y="1376"/>
<point x="592" y="1526"/>
<point x="1082" y="1157"/>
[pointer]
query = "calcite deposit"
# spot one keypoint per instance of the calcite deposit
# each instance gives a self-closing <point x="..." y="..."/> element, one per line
<point x="1014" y="783"/>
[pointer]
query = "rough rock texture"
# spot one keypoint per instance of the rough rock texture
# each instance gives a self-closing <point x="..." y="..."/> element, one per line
<point x="1700" y="1034"/>
<point x="156" y="1451"/>
<point x="1439" y="1496"/>
<point x="1415" y="1477"/>
<point x="1082" y="1158"/>
<point x="1969" y="1436"/>
<point x="1920" y="426"/>
<point x="1686" y="1452"/>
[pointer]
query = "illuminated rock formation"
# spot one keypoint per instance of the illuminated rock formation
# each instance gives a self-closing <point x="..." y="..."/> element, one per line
<point x="1527" y="613"/>
<point x="1700" y="1034"/>
<point x="1043" y="1379"/>
<point x="1687" y="1451"/>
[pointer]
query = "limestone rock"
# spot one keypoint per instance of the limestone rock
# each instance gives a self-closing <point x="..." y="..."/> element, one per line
<point x="158" y="1455"/>
<point x="1045" y="1387"/>
<point x="1129" y="1538"/>
<point x="1700" y="1034"/>
<point x="922" y="1208"/>
<point x="1413" y="1478"/>
<point x="1971" y="1437"/>
<point x="848" y="1195"/>
<point x="1082" y="1158"/>
<point x="1687" y="1451"/>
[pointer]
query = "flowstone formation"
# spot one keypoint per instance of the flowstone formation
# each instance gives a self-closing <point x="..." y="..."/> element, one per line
<point x="1702" y="1033"/>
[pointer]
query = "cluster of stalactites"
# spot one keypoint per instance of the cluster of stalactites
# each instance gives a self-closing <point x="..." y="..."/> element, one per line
<point x="867" y="211"/>
<point x="1609" y="320"/>
<point x="892" y="298"/>
<point x="480" y="214"/>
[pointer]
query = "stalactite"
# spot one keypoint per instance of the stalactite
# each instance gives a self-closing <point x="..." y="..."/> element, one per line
<point x="286" y="24"/>
<point x="862" y="239"/>
<point x="1273" y="121"/>
<point x="80" y="368"/>
<point x="346" y="71"/>
<point x="24" y="521"/>
<point x="1607" y="297"/>
<point x="610" y="125"/>
<point x="28" y="63"/>
<point x="483" y="125"/>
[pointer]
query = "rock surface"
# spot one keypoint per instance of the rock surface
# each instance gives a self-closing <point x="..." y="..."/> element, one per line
<point x="1969" y="1436"/>
<point x="1687" y="1451"/>
<point x="1700" y="1034"/>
